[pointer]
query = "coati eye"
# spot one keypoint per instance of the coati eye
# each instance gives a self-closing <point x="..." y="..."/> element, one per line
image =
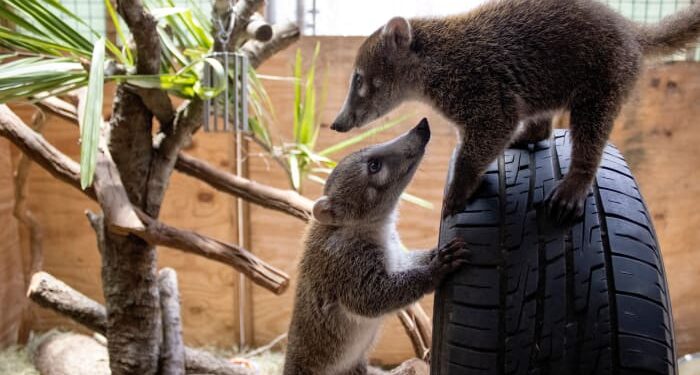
<point x="359" y="80"/>
<point x="374" y="166"/>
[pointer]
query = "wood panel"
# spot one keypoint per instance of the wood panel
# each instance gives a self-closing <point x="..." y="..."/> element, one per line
<point x="11" y="275"/>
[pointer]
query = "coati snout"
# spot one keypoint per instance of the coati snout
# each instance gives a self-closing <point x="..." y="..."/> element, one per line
<point x="376" y="83"/>
<point x="367" y="184"/>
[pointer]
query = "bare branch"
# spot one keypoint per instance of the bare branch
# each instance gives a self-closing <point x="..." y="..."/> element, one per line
<point x="143" y="27"/>
<point x="59" y="107"/>
<point x="187" y="120"/>
<point x="287" y="201"/>
<point x="172" y="354"/>
<point x="242" y="260"/>
<point x="51" y="293"/>
<point x="282" y="37"/>
<point x="418" y="328"/>
<point x="39" y="150"/>
<point x="155" y="233"/>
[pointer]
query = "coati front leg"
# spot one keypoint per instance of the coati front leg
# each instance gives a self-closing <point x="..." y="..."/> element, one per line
<point x="375" y="292"/>
<point x="592" y="119"/>
<point x="482" y="142"/>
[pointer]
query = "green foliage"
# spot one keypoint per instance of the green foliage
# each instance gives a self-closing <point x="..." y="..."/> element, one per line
<point x="91" y="116"/>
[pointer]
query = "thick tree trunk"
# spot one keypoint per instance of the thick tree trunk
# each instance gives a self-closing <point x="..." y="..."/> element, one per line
<point x="129" y="263"/>
<point x="172" y="360"/>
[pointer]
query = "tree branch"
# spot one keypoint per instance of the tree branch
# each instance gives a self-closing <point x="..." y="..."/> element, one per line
<point x="172" y="354"/>
<point x="287" y="201"/>
<point x="187" y="120"/>
<point x="418" y="328"/>
<point x="158" y="233"/>
<point x="51" y="293"/>
<point x="143" y="27"/>
<point x="282" y="37"/>
<point x="155" y="232"/>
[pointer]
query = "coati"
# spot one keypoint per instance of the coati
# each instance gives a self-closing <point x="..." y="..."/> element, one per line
<point x="354" y="269"/>
<point x="500" y="71"/>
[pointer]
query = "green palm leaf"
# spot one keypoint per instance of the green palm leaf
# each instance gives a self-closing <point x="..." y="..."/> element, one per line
<point x="91" y="116"/>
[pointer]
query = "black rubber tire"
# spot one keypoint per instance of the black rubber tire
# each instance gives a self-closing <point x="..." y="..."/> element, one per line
<point x="536" y="299"/>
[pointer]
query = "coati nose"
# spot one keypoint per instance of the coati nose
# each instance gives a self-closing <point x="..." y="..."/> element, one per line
<point x="423" y="130"/>
<point x="338" y="127"/>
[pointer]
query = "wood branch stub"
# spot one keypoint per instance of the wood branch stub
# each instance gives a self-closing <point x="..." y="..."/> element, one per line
<point x="282" y="37"/>
<point x="93" y="315"/>
<point x="239" y="258"/>
<point x="172" y="354"/>
<point x="243" y="11"/>
<point x="287" y="201"/>
<point x="418" y="328"/>
<point x="258" y="29"/>
<point x="97" y="224"/>
<point x="49" y="292"/>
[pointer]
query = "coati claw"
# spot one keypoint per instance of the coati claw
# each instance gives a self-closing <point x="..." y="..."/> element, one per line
<point x="564" y="206"/>
<point x="449" y="258"/>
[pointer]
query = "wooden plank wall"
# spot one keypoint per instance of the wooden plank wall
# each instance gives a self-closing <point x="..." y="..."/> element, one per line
<point x="657" y="131"/>
<point x="11" y="277"/>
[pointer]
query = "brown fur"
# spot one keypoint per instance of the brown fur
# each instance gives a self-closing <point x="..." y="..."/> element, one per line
<point x="354" y="271"/>
<point x="512" y="62"/>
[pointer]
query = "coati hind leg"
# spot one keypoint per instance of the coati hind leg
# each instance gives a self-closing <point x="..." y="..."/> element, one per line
<point x="533" y="131"/>
<point x="591" y="123"/>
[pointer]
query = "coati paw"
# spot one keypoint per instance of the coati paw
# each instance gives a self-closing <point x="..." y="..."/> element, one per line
<point x="565" y="204"/>
<point x="449" y="258"/>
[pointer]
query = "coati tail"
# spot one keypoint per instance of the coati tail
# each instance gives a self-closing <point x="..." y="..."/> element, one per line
<point x="673" y="33"/>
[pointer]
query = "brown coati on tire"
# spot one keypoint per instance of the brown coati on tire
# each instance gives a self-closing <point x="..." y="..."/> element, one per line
<point x="500" y="71"/>
<point x="534" y="298"/>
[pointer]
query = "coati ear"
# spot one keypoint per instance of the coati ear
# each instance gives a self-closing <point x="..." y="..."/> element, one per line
<point x="323" y="210"/>
<point x="397" y="33"/>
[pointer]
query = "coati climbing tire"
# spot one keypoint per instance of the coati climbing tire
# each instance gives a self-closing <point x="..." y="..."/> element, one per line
<point x="591" y="298"/>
